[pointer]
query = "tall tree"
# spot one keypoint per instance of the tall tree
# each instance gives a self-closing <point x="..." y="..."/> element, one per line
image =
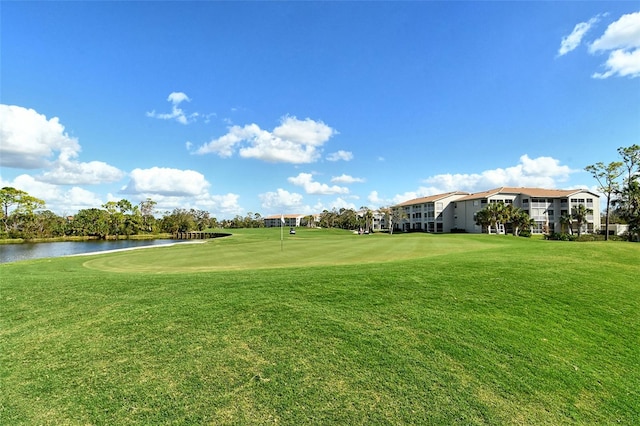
<point x="607" y="176"/>
<point x="628" y="200"/>
<point x="16" y="201"/>
<point x="147" y="209"/>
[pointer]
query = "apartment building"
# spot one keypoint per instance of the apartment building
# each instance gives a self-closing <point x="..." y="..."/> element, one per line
<point x="544" y="206"/>
<point x="290" y="220"/>
<point x="435" y="213"/>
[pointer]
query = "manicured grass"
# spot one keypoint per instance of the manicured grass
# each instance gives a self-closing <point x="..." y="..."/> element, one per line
<point x="333" y="329"/>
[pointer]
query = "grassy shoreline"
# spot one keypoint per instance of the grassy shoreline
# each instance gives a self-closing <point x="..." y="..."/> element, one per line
<point x="334" y="328"/>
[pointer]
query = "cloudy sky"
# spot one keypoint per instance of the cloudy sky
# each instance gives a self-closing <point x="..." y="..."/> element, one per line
<point x="297" y="107"/>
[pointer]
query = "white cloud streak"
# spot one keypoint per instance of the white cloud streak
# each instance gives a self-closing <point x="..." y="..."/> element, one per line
<point x="340" y="155"/>
<point x="573" y="40"/>
<point x="177" y="114"/>
<point x="346" y="179"/>
<point x="306" y="181"/>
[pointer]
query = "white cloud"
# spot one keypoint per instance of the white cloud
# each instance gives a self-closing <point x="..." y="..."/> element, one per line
<point x="346" y="179"/>
<point x="293" y="141"/>
<point x="29" y="140"/>
<point x="622" y="40"/>
<point x="225" y="205"/>
<point x="58" y="200"/>
<point x="307" y="131"/>
<point x="340" y="203"/>
<point x="340" y="155"/>
<point x="573" y="40"/>
<point x="281" y="200"/>
<point x="306" y="181"/>
<point x="176" y="98"/>
<point x="543" y="172"/>
<point x="167" y="182"/>
<point x="67" y="172"/>
<point x="621" y="34"/>
<point x="374" y="198"/>
<point x="623" y="63"/>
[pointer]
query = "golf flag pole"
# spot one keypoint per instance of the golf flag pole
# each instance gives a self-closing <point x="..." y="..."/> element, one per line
<point x="281" y="232"/>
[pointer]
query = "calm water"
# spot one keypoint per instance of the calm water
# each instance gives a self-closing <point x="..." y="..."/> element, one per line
<point x="26" y="251"/>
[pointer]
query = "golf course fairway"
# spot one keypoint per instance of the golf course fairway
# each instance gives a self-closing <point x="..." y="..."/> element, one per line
<point x="325" y="327"/>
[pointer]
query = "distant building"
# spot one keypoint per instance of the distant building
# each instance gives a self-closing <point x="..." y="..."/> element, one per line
<point x="290" y="220"/>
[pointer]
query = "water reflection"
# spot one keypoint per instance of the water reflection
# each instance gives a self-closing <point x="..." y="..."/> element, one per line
<point x="26" y="251"/>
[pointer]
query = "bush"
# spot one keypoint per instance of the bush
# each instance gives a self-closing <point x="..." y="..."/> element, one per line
<point x="560" y="236"/>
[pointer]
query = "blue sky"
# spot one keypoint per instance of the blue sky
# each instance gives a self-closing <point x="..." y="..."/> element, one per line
<point x="297" y="107"/>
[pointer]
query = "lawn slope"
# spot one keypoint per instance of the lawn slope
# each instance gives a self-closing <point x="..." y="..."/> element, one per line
<point x="334" y="328"/>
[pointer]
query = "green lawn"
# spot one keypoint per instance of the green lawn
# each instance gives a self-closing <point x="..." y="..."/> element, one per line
<point x="326" y="327"/>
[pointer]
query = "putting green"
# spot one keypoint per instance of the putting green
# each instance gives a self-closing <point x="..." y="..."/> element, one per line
<point x="262" y="249"/>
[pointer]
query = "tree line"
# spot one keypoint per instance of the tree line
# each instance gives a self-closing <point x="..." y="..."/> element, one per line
<point x="24" y="216"/>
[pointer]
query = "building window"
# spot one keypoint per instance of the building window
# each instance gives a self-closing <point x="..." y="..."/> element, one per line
<point x="483" y="201"/>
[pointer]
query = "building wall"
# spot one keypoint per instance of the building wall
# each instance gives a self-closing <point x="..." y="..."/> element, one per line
<point x="545" y="210"/>
<point x="430" y="216"/>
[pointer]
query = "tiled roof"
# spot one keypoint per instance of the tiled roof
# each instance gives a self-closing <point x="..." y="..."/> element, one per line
<point x="532" y="192"/>
<point x="430" y="198"/>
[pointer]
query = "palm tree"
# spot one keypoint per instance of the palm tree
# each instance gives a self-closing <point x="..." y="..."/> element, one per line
<point x="565" y="223"/>
<point x="367" y="215"/>
<point x="521" y="220"/>
<point x="579" y="214"/>
<point x="484" y="218"/>
<point x="310" y="220"/>
<point x="492" y="215"/>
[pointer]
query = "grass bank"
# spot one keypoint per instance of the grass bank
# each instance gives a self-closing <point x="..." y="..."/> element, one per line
<point x="325" y="327"/>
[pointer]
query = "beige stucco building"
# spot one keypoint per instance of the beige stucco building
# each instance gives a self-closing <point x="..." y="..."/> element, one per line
<point x="457" y="210"/>
<point x="290" y="220"/>
<point x="430" y="214"/>
<point x="544" y="206"/>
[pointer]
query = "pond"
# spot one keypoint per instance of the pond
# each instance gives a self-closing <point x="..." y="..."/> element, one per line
<point x="27" y="251"/>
